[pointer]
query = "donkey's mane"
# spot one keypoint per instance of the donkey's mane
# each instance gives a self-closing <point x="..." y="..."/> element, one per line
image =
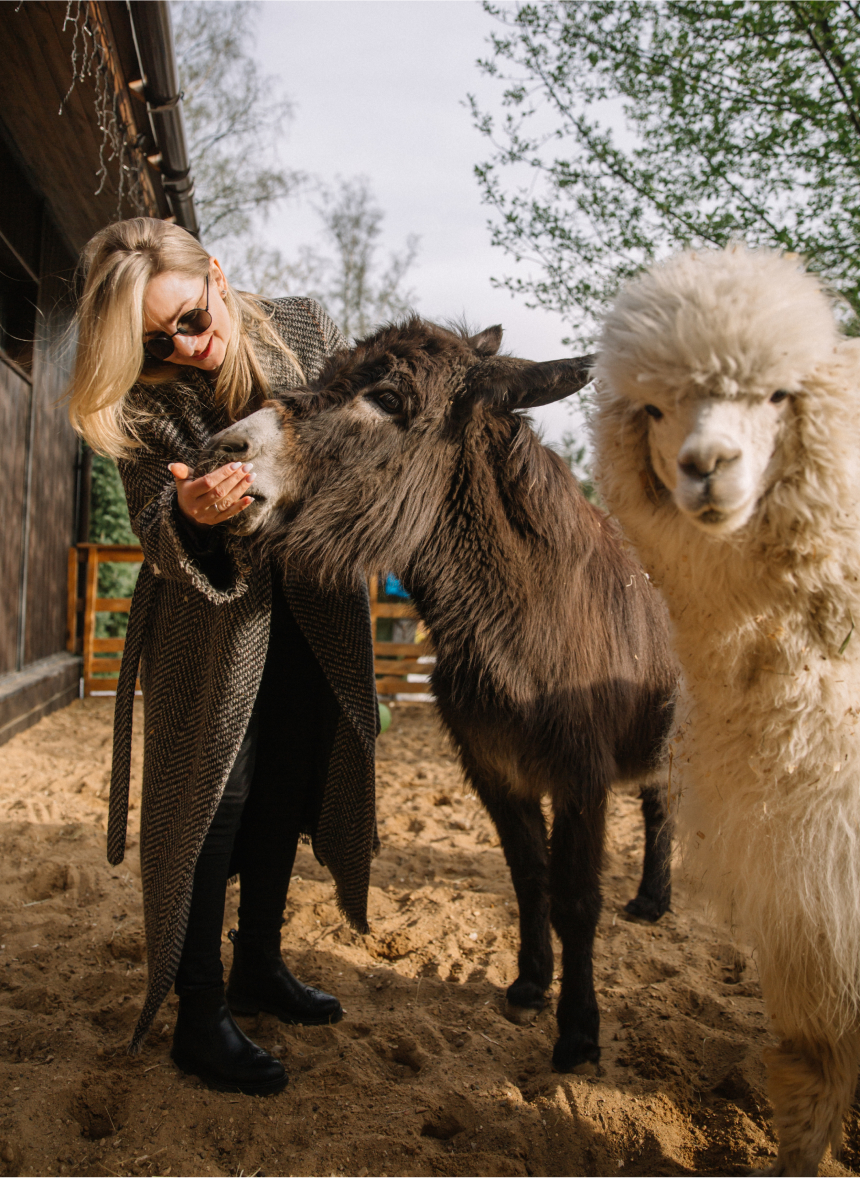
<point x="411" y="341"/>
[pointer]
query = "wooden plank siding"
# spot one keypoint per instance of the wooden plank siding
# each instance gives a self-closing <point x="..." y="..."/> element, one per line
<point x="62" y="150"/>
<point x="52" y="506"/>
<point x="21" y="221"/>
<point x="15" y="397"/>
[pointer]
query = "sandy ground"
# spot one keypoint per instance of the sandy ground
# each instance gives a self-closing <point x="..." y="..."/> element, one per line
<point x="424" y="1075"/>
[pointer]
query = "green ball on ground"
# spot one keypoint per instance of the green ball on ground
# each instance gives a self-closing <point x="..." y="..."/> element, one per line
<point x="384" y="718"/>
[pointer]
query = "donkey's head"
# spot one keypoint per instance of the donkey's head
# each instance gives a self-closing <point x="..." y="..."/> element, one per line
<point x="353" y="470"/>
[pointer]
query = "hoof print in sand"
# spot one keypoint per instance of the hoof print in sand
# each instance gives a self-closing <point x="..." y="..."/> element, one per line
<point x="98" y="1108"/>
<point x="403" y="1053"/>
<point x="442" y="1127"/>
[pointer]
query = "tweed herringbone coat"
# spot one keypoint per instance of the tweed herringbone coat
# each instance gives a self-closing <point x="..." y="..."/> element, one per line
<point x="199" y="628"/>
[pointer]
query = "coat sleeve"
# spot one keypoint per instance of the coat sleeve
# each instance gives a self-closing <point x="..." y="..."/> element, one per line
<point x="333" y="338"/>
<point x="311" y="333"/>
<point x="217" y="567"/>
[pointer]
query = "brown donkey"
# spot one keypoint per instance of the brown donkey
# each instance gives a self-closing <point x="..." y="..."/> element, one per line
<point x="553" y="672"/>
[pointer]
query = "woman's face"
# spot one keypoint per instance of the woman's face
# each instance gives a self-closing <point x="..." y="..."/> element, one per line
<point x="170" y="295"/>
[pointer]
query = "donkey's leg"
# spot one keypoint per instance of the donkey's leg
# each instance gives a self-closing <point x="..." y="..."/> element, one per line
<point x="811" y="1086"/>
<point x="655" y="890"/>
<point x="522" y="831"/>
<point x="575" y="863"/>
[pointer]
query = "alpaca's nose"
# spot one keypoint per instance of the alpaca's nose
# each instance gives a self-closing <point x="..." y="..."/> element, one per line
<point x="700" y="457"/>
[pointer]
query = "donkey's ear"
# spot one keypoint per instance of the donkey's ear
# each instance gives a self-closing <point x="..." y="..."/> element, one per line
<point x="520" y="384"/>
<point x="486" y="342"/>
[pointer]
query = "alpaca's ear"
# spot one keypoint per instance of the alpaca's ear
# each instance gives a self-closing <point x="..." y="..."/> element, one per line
<point x="486" y="342"/>
<point x="521" y="384"/>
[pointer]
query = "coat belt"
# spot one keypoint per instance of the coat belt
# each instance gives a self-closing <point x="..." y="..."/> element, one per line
<point x="120" y="778"/>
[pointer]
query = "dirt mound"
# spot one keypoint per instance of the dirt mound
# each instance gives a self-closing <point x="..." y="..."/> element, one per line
<point x="424" y="1075"/>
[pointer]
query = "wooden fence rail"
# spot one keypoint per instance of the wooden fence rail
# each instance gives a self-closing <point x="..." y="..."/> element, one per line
<point x="84" y="604"/>
<point x="393" y="662"/>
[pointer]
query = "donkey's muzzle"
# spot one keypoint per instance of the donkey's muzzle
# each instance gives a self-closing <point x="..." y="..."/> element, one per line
<point x="257" y="440"/>
<point x="234" y="447"/>
<point x="248" y="439"/>
<point x="233" y="444"/>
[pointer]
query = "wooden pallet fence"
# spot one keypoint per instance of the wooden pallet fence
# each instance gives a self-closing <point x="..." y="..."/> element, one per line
<point x="100" y="670"/>
<point x="393" y="662"/>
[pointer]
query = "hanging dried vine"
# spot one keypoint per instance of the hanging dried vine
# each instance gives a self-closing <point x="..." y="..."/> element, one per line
<point x="89" y="60"/>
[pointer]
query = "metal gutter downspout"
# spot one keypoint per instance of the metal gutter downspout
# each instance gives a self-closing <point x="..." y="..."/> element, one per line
<point x="153" y="37"/>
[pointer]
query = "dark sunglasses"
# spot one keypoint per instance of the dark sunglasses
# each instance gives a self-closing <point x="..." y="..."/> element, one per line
<point x="193" y="322"/>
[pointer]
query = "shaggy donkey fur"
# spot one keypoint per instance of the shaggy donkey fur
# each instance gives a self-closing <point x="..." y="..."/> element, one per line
<point x="727" y="445"/>
<point x="553" y="672"/>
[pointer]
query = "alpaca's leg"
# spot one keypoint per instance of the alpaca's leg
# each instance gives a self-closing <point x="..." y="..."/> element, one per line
<point x="811" y="1085"/>
<point x="655" y="889"/>
<point x="522" y="832"/>
<point x="576" y="858"/>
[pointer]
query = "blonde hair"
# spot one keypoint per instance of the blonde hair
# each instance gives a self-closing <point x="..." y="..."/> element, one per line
<point x="117" y="265"/>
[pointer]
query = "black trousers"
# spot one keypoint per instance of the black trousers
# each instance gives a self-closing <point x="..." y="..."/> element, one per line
<point x="272" y="796"/>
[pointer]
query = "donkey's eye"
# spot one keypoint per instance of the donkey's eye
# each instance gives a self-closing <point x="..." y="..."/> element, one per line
<point x="389" y="401"/>
<point x="778" y="396"/>
<point x="654" y="412"/>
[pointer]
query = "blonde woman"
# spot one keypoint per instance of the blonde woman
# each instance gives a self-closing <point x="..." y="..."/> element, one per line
<point x="259" y="699"/>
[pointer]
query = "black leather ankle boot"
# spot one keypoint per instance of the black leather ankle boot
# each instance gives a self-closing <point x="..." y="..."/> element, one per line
<point x="259" y="980"/>
<point x="207" y="1043"/>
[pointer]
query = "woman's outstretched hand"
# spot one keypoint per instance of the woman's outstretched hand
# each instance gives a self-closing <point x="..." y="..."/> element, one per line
<point x="216" y="496"/>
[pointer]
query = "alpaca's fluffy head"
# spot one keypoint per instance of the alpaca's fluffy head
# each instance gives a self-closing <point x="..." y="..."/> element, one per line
<point x="706" y="357"/>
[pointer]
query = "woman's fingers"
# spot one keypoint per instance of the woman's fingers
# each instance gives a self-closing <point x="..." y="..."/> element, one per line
<point x="244" y="502"/>
<point x="219" y="485"/>
<point x="215" y="485"/>
<point x="227" y="492"/>
<point x="213" y="497"/>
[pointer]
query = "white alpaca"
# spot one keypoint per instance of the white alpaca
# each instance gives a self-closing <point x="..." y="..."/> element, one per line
<point x="727" y="436"/>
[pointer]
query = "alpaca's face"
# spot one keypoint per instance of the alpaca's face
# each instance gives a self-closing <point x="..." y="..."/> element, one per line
<point x="715" y="345"/>
<point x="716" y="454"/>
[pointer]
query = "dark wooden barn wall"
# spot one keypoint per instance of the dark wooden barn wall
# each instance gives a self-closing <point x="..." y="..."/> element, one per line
<point x="64" y="145"/>
<point x="61" y="152"/>
<point x="54" y="447"/>
<point x="40" y="449"/>
<point x="15" y="393"/>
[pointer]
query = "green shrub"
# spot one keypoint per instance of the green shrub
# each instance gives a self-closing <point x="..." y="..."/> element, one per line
<point x="110" y="524"/>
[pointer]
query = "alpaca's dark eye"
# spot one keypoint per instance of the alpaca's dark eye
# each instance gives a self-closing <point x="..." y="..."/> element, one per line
<point x="654" y="412"/>
<point x="778" y="396"/>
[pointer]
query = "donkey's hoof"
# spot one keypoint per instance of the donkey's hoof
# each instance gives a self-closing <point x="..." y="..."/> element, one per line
<point x="646" y="908"/>
<point x="573" y="1051"/>
<point x="521" y="1015"/>
<point x="523" y="1002"/>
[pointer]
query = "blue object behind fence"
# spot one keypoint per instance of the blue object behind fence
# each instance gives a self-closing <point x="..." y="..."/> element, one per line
<point x="393" y="588"/>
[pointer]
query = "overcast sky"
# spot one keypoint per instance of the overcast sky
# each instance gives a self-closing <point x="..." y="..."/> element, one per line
<point x="379" y="88"/>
